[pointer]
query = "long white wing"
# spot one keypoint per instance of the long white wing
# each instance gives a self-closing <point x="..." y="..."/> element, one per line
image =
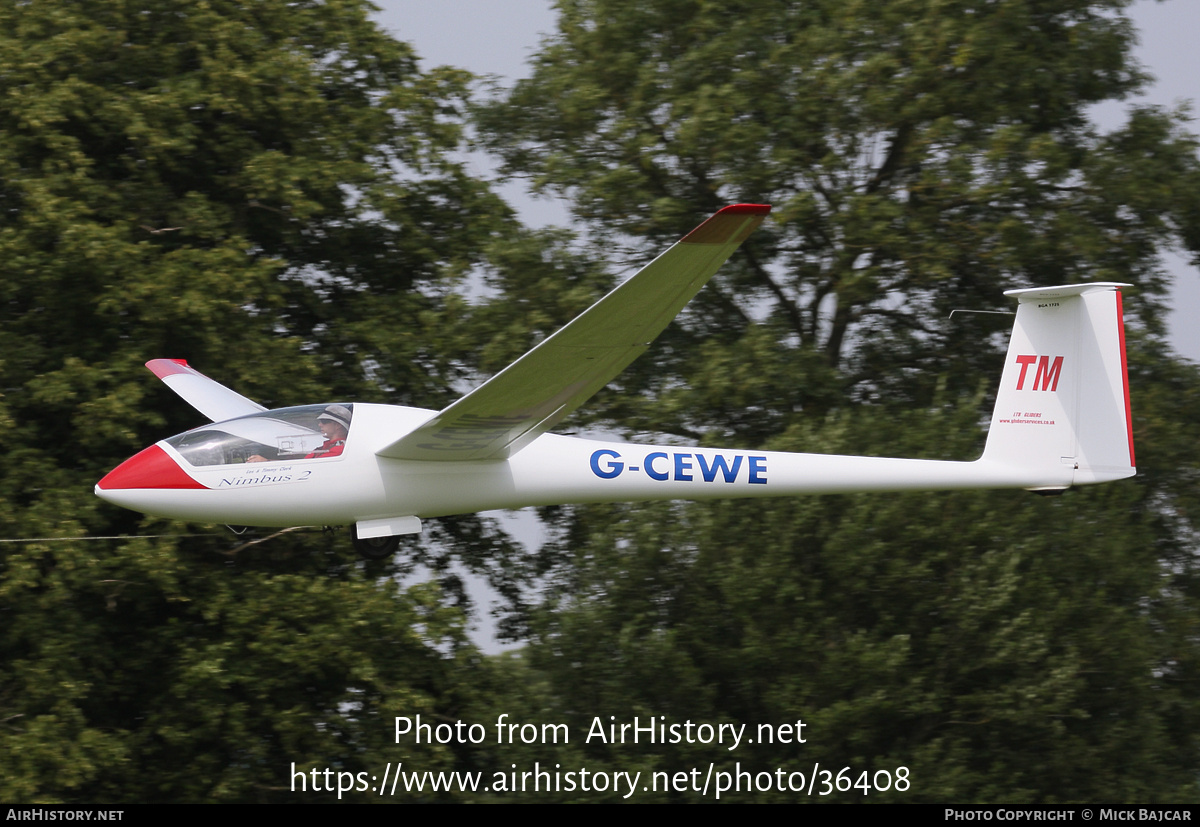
<point x="209" y="397"/>
<point x="537" y="391"/>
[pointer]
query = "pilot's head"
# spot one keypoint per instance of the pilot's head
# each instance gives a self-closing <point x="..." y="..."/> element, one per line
<point x="334" y="422"/>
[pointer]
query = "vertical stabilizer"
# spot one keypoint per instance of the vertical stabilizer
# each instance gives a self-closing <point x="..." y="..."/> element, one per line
<point x="1063" y="405"/>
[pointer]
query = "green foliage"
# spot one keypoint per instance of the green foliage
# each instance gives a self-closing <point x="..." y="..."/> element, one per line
<point x="269" y="190"/>
<point x="266" y="190"/>
<point x="921" y="155"/>
<point x="162" y="671"/>
<point x="1002" y="647"/>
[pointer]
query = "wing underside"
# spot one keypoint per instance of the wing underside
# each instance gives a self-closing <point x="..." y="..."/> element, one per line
<point x="209" y="397"/>
<point x="541" y="388"/>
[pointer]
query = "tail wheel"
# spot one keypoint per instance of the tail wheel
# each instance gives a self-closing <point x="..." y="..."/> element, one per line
<point x="375" y="548"/>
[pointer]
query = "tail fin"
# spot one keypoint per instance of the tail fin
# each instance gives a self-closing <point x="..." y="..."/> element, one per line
<point x="1063" y="405"/>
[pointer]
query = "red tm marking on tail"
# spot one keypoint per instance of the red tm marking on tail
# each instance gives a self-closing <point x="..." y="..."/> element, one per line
<point x="1047" y="375"/>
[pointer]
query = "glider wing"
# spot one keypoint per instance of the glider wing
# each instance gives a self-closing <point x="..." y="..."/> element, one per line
<point x="541" y="388"/>
<point x="209" y="397"/>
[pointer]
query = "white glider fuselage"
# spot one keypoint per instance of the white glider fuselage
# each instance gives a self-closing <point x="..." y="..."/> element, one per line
<point x="1062" y="418"/>
<point x="360" y="486"/>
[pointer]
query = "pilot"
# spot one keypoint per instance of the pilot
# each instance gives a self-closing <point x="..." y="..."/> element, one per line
<point x="334" y="423"/>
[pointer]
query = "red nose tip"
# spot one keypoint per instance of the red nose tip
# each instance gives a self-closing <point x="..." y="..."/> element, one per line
<point x="151" y="468"/>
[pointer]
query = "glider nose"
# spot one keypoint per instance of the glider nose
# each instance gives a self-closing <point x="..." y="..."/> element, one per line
<point x="151" y="468"/>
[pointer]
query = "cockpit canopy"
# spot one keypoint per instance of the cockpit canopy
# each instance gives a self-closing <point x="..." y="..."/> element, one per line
<point x="271" y="436"/>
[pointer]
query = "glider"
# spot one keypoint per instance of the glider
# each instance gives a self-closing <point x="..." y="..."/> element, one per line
<point x="1062" y="418"/>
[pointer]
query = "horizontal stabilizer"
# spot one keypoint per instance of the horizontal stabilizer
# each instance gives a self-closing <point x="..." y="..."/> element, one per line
<point x="209" y="397"/>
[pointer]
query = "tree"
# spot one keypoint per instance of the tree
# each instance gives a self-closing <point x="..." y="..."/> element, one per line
<point x="267" y="190"/>
<point x="1001" y="647"/>
<point x="922" y="156"/>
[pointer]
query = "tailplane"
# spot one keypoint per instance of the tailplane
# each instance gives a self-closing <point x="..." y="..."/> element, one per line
<point x="1063" y="406"/>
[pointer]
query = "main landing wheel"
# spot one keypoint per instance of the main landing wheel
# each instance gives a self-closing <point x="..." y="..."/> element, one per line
<point x="375" y="548"/>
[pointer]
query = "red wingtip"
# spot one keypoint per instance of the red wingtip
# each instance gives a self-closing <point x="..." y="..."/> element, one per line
<point x="745" y="209"/>
<point x="162" y="368"/>
<point x="729" y="225"/>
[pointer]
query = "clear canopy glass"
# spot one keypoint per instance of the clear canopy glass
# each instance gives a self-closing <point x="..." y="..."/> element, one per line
<point x="271" y="436"/>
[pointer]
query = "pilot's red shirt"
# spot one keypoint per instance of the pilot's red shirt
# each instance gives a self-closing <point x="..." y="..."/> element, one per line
<point x="331" y="448"/>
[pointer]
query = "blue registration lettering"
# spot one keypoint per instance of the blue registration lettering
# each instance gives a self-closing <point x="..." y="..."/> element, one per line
<point x="606" y="464"/>
<point x="649" y="466"/>
<point x="709" y="472"/>
<point x="610" y="469"/>
<point x="758" y="470"/>
<point x="683" y="463"/>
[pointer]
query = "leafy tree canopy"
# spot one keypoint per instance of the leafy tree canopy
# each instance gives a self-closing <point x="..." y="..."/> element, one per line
<point x="268" y="190"/>
<point x="922" y="156"/>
